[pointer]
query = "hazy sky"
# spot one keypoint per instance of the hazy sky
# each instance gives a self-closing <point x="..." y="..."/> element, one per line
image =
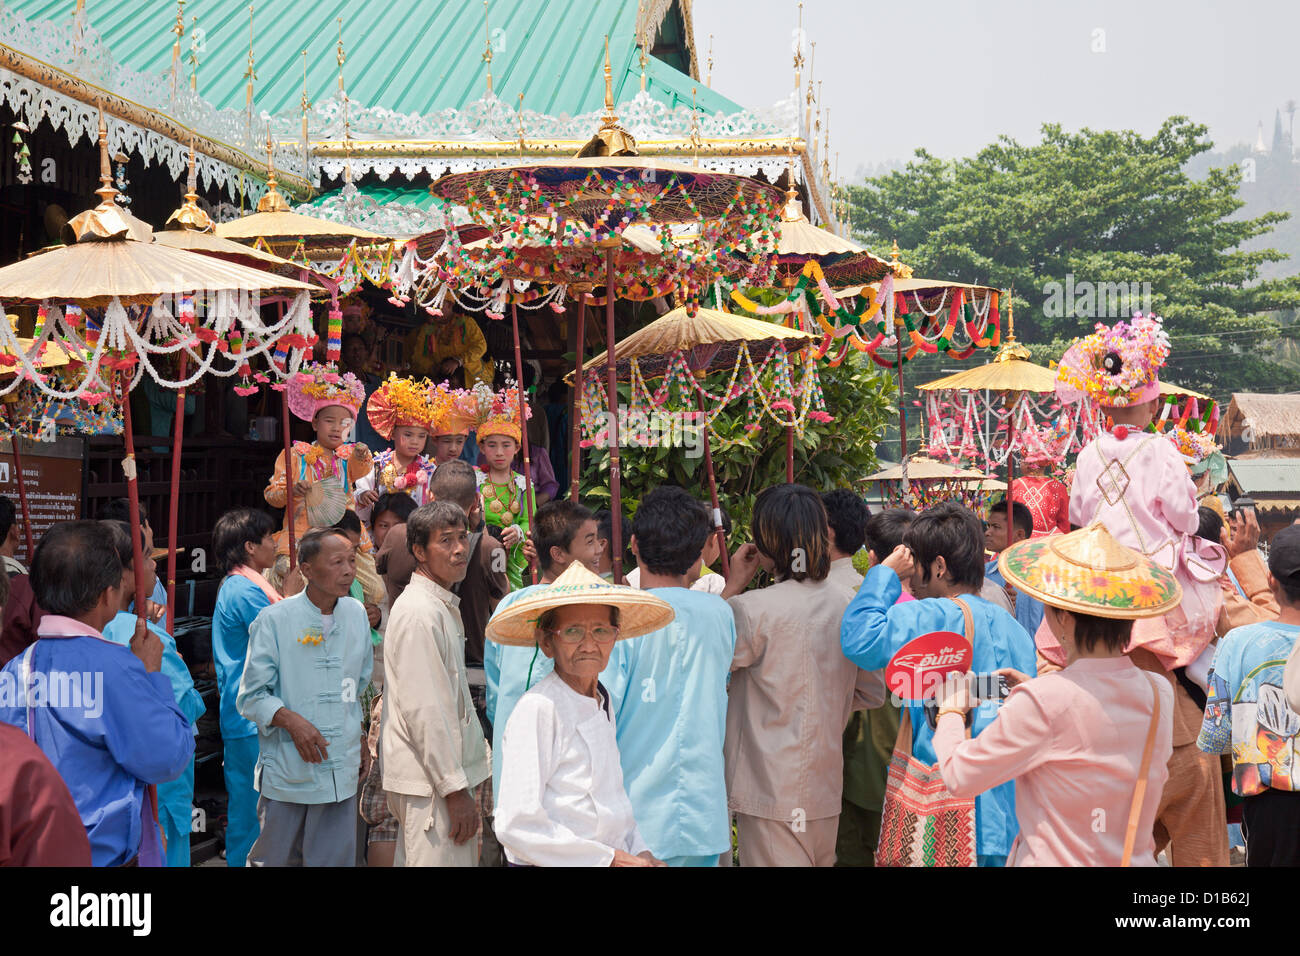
<point x="950" y="75"/>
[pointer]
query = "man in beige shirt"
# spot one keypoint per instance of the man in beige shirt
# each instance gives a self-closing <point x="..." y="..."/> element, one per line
<point x="432" y="745"/>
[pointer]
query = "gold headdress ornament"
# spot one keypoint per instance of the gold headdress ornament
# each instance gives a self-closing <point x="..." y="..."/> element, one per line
<point x="502" y="418"/>
<point x="611" y="139"/>
<point x="455" y="411"/>
<point x="399" y="402"/>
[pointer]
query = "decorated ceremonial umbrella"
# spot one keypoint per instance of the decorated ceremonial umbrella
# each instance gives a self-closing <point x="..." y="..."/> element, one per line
<point x="113" y="267"/>
<point x="970" y="413"/>
<point x="689" y="343"/>
<point x="190" y="228"/>
<point x="592" y="198"/>
<point x="919" y="482"/>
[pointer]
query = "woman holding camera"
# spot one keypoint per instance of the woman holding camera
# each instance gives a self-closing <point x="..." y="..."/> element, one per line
<point x="1087" y="745"/>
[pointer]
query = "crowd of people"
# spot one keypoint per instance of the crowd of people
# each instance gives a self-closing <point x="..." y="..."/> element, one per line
<point x="421" y="667"/>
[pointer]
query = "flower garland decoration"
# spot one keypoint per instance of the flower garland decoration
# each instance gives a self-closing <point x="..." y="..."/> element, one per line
<point x="1115" y="367"/>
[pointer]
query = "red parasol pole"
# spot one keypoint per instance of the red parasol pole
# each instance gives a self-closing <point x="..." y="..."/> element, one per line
<point x="902" y="410"/>
<point x="523" y="430"/>
<point x="611" y="398"/>
<point x="133" y="500"/>
<point x="713" y="493"/>
<point x="576" y="429"/>
<point x="288" y="464"/>
<point x="173" y="505"/>
<point x="22" y="489"/>
<point x="1011" y="467"/>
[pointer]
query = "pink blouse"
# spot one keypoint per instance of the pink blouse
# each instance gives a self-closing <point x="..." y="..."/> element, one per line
<point x="1073" y="742"/>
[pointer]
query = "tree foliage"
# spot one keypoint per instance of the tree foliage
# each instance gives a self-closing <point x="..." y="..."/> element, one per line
<point x="1097" y="208"/>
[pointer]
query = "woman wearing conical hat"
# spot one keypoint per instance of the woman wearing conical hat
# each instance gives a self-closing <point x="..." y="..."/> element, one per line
<point x="1087" y="746"/>
<point x="562" y="801"/>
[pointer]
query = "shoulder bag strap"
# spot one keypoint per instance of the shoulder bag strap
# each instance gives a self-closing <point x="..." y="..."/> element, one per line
<point x="968" y="619"/>
<point x="1139" y="792"/>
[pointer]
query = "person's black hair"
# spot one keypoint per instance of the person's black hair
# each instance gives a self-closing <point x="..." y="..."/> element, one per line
<point x="456" y="482"/>
<point x="847" y="514"/>
<point x="605" y="531"/>
<point x="790" y="527"/>
<point x="885" y="530"/>
<point x="8" y="514"/>
<point x="671" y="528"/>
<point x="431" y="517"/>
<point x="953" y="533"/>
<point x="121" y="532"/>
<point x="1110" y="632"/>
<point x="398" y="502"/>
<point x="1211" y="524"/>
<point x="349" y="523"/>
<point x="1021" y="517"/>
<point x="1284" y="561"/>
<point x="74" y="564"/>
<point x="118" y="509"/>
<point x="555" y="524"/>
<point x="233" y="530"/>
<point x="313" y="542"/>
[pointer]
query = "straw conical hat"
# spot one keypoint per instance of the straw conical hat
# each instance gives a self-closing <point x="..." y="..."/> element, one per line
<point x="1090" y="572"/>
<point x="640" y="612"/>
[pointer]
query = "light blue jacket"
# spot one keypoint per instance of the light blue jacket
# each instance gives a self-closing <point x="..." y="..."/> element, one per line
<point x="875" y="627"/>
<point x="292" y="662"/>
<point x="121" y="629"/>
<point x="239" y="601"/>
<point x="671" y="723"/>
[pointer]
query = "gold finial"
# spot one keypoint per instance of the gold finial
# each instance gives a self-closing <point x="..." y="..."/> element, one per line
<point x="792" y="211"/>
<point x="708" y="79"/>
<point x="900" y="270"/>
<point x="178" y="28"/>
<point x="641" y="38"/>
<point x="340" y="56"/>
<point x="194" y="53"/>
<point x="106" y="192"/>
<point x="249" y="74"/>
<point x="812" y="66"/>
<point x="826" y="147"/>
<point x="305" y="105"/>
<point x="610" y="118"/>
<point x="108" y="220"/>
<point x="487" y="51"/>
<point x="189" y="215"/>
<point x="272" y="201"/>
<point x="798" y="53"/>
<point x="695" y="131"/>
<point x="1011" y="349"/>
<point x="519" y="118"/>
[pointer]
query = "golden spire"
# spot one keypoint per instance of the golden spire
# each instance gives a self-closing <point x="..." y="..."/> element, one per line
<point x="305" y="106"/>
<point x="194" y="53"/>
<point x="519" y="123"/>
<point x="708" y="79"/>
<point x="641" y="38"/>
<point x="798" y="53"/>
<point x="487" y="51"/>
<point x="341" y="56"/>
<point x="178" y="28"/>
<point x="695" y="131"/>
<point x="611" y="119"/>
<point x="792" y="213"/>
<point x="826" y="147"/>
<point x="272" y="201"/>
<point x="900" y="270"/>
<point x="1011" y="349"/>
<point x="250" y="74"/>
<point x="189" y="215"/>
<point x="108" y="220"/>
<point x="809" y="99"/>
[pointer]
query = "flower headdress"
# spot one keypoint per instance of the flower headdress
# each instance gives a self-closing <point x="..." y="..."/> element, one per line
<point x="453" y="411"/>
<point x="502" y="417"/>
<point x="1116" y="367"/>
<point x="398" y="402"/>
<point x="319" y="386"/>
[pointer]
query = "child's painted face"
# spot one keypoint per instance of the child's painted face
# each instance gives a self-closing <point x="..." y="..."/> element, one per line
<point x="499" y="450"/>
<point x="447" y="448"/>
<point x="333" y="424"/>
<point x="408" y="441"/>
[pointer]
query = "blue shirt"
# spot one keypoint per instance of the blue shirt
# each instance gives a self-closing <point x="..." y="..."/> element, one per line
<point x="1246" y="711"/>
<point x="1028" y="610"/>
<point x="121" y="629"/>
<point x="109" y="727"/>
<point x="875" y="628"/>
<point x="510" y="671"/>
<point x="319" y="673"/>
<point x="239" y="601"/>
<point x="671" y="723"/>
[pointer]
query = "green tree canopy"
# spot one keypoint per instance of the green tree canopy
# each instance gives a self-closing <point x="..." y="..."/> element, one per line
<point x="1065" y="222"/>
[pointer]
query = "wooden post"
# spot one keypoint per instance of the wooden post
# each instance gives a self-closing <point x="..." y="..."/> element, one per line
<point x="173" y="504"/>
<point x="575" y="424"/>
<point x="523" y="430"/>
<point x="611" y="393"/>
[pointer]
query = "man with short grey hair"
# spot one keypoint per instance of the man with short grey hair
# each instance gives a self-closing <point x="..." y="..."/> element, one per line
<point x="309" y="661"/>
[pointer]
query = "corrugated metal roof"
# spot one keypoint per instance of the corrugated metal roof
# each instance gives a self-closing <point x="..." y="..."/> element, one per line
<point x="1266" y="475"/>
<point x="411" y="56"/>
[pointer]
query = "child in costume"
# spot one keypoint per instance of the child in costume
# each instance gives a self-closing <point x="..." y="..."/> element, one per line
<point x="500" y="434"/>
<point x="1134" y="481"/>
<point x="453" y="413"/>
<point x="399" y="411"/>
<point x="331" y="402"/>
<point x="1047" y="499"/>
